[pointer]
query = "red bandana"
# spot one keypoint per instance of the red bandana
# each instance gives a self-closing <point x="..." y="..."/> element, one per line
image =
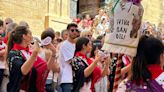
<point x="2" y="45"/>
<point x="155" y="70"/>
<point x="96" y="74"/>
<point x="5" y="39"/>
<point x="19" y="47"/>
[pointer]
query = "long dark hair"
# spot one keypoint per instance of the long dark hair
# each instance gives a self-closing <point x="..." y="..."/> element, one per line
<point x="80" y="42"/>
<point x="16" y="36"/>
<point x="148" y="52"/>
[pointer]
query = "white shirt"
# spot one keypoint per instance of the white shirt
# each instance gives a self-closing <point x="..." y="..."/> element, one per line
<point x="66" y="52"/>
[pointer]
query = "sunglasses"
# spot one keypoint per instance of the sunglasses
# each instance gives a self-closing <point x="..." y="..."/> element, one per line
<point x="2" y="34"/>
<point x="75" y="30"/>
<point x="59" y="40"/>
<point x="89" y="35"/>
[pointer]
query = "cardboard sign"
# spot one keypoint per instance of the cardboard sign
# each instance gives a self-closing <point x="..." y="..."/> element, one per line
<point x="125" y="34"/>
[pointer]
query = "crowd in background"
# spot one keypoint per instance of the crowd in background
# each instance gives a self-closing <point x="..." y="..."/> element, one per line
<point x="71" y="60"/>
<point x="100" y="24"/>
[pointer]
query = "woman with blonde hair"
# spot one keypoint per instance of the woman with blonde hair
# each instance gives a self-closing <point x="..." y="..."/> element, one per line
<point x="87" y="34"/>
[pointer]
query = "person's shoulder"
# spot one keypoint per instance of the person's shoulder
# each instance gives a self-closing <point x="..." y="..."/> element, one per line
<point x="122" y="86"/>
<point x="65" y="46"/>
<point x="66" y="42"/>
<point x="160" y="78"/>
<point x="14" y="52"/>
<point x="162" y="75"/>
<point x="15" y="55"/>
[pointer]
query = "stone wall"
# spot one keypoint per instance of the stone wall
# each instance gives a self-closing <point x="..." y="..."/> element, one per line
<point x="153" y="11"/>
<point x="35" y="11"/>
<point x="59" y="12"/>
<point x="32" y="11"/>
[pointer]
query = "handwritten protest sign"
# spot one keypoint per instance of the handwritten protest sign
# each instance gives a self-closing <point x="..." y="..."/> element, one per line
<point x="125" y="34"/>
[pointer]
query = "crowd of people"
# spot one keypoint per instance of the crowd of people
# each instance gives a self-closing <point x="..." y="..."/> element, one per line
<point x="73" y="60"/>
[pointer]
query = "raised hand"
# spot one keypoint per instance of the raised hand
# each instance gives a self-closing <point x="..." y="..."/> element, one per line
<point x="51" y="47"/>
<point x="99" y="56"/>
<point x="36" y="47"/>
<point x="107" y="61"/>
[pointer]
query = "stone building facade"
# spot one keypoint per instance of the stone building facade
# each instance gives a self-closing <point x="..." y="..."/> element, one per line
<point x="153" y="9"/>
<point x="39" y="14"/>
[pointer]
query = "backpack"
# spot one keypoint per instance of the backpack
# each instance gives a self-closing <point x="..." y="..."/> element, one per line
<point x="78" y="65"/>
<point x="35" y="80"/>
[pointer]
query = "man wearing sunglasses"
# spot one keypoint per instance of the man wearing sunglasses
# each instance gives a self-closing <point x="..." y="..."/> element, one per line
<point x="66" y="53"/>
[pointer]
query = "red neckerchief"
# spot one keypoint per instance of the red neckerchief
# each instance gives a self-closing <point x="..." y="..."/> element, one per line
<point x="155" y="70"/>
<point x="96" y="74"/>
<point x="19" y="47"/>
<point x="80" y="54"/>
<point x="5" y="39"/>
<point x="89" y="61"/>
<point x="2" y="45"/>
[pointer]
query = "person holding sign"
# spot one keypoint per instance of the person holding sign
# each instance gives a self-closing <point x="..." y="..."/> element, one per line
<point x="124" y="36"/>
